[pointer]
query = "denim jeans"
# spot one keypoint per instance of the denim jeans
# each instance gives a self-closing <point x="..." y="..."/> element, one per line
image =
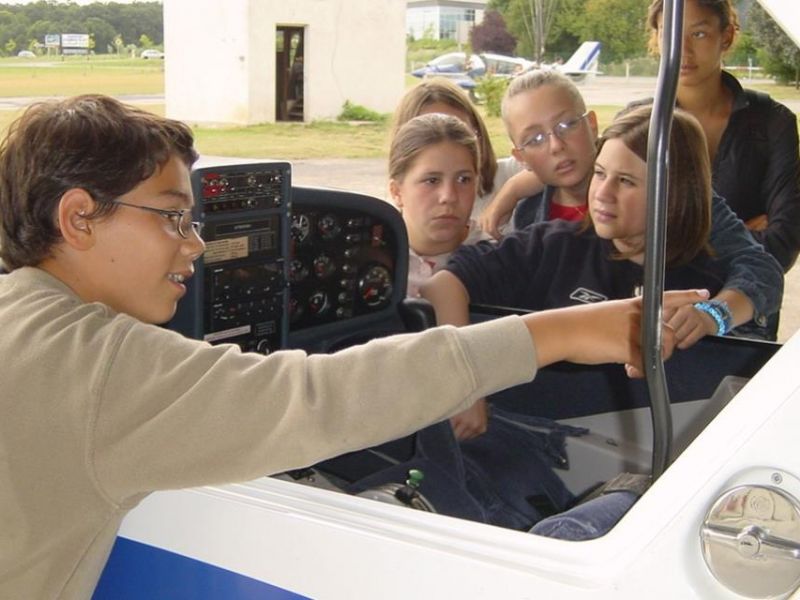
<point x="589" y="520"/>
<point x="504" y="477"/>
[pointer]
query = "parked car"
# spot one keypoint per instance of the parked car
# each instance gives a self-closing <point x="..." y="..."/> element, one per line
<point x="26" y="54"/>
<point x="151" y="53"/>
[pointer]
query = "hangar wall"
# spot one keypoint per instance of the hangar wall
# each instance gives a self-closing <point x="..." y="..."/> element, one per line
<point x="220" y="65"/>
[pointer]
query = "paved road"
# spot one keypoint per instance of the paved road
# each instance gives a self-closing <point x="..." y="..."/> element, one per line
<point x="603" y="91"/>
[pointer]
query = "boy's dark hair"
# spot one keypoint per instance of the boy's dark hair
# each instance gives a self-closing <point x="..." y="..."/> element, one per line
<point x="91" y="142"/>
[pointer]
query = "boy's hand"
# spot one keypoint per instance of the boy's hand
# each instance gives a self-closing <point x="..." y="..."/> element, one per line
<point x="606" y="332"/>
<point x="472" y="422"/>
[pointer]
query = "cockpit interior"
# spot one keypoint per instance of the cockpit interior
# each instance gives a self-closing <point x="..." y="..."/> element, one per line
<point x="321" y="269"/>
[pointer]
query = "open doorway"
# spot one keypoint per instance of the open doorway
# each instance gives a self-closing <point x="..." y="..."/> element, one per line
<point x="289" y="73"/>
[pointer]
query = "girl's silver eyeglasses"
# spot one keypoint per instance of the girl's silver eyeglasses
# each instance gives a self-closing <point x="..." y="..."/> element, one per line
<point x="561" y="130"/>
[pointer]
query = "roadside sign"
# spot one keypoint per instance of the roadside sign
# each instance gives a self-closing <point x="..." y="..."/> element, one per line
<point x="52" y="40"/>
<point x="75" y="40"/>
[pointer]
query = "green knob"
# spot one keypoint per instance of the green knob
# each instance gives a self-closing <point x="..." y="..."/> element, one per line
<point x="415" y="477"/>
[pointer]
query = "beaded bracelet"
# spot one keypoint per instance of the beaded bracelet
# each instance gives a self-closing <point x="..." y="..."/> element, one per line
<point x="720" y="312"/>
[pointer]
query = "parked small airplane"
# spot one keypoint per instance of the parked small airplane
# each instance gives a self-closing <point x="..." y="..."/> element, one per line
<point x="465" y="69"/>
<point x="474" y="65"/>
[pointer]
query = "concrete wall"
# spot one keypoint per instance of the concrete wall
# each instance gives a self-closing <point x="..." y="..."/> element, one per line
<point x="220" y="56"/>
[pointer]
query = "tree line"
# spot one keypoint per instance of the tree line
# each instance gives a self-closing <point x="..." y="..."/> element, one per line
<point x="112" y="27"/>
<point x="547" y="30"/>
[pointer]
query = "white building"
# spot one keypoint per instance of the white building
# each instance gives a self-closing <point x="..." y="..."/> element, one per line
<point x="443" y="19"/>
<point x="254" y="61"/>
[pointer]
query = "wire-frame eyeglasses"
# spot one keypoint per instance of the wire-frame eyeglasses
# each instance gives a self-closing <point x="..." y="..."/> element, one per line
<point x="180" y="218"/>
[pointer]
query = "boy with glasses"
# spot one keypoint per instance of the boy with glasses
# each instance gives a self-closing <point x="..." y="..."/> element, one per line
<point x="101" y="407"/>
<point x="554" y="136"/>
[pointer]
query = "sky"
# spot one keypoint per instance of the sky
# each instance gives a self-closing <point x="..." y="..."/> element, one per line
<point x="76" y="1"/>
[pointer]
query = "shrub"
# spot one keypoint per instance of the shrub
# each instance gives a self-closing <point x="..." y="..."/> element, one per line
<point x="356" y="112"/>
<point x="490" y="90"/>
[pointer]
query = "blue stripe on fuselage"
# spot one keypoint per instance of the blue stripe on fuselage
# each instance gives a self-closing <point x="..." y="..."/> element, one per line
<point x="136" y="571"/>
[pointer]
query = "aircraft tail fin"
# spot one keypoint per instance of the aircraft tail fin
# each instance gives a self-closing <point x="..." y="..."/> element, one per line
<point x="584" y="61"/>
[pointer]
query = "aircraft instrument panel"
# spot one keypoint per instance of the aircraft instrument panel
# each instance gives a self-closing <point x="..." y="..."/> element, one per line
<point x="290" y="266"/>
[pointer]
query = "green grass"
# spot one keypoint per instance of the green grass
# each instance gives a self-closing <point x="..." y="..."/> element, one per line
<point x="320" y="139"/>
<point x="80" y="75"/>
<point x="7" y="116"/>
<point x="778" y="92"/>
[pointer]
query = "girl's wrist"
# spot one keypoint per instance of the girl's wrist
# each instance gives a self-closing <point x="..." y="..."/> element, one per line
<point x="719" y="312"/>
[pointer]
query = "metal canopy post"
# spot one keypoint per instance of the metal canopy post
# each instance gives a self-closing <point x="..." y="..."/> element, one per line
<point x="655" y="242"/>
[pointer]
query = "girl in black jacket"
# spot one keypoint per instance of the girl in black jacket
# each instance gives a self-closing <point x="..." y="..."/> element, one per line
<point x="752" y="139"/>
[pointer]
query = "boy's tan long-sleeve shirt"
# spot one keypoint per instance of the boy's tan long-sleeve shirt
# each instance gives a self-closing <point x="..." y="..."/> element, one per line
<point x="98" y="409"/>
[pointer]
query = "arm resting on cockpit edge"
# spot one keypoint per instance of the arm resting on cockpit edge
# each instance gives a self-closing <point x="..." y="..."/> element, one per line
<point x="780" y="187"/>
<point x="750" y="269"/>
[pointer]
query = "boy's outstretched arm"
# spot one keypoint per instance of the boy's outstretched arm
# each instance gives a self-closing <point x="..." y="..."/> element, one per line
<point x="592" y="333"/>
<point x="604" y="332"/>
